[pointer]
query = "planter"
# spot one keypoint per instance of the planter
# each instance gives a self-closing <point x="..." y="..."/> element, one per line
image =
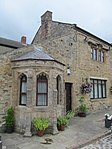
<point x="81" y="114"/>
<point x="40" y="133"/>
<point x="10" y="129"/>
<point x="61" y="127"/>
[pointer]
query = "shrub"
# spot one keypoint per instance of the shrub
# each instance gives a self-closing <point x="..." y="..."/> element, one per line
<point x="62" y="120"/>
<point x="10" y="120"/>
<point x="70" y="114"/>
<point x="40" y="123"/>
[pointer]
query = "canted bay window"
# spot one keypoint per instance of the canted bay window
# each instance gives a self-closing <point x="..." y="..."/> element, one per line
<point x="98" y="89"/>
<point x="42" y="91"/>
<point x="23" y="90"/>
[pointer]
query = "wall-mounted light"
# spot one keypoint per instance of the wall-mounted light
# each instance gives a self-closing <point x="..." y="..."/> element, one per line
<point x="68" y="70"/>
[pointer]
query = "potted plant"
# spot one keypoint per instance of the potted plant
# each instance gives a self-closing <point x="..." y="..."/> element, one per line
<point x="10" y="120"/>
<point x="82" y="108"/>
<point x="62" y="121"/>
<point x="70" y="114"/>
<point x="40" y="125"/>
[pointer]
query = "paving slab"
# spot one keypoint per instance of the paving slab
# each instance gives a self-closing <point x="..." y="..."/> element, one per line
<point x="79" y="132"/>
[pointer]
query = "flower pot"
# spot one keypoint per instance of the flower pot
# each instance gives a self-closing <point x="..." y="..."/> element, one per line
<point x="61" y="127"/>
<point x="40" y="133"/>
<point x="10" y="129"/>
<point x="81" y="114"/>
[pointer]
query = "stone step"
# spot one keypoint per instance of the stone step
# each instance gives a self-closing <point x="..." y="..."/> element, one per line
<point x="2" y="127"/>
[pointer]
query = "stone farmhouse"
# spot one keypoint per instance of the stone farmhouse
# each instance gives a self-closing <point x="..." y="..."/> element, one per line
<point x="48" y="77"/>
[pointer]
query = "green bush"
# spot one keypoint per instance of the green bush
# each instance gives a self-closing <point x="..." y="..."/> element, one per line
<point x="82" y="107"/>
<point x="70" y="114"/>
<point x="10" y="119"/>
<point x="62" y="120"/>
<point x="40" y="123"/>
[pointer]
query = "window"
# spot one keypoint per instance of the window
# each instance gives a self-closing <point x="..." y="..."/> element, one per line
<point x="58" y="88"/>
<point x="101" y="56"/>
<point x="42" y="91"/>
<point x="97" y="55"/>
<point x="98" y="88"/>
<point x="91" y="53"/>
<point x="23" y="90"/>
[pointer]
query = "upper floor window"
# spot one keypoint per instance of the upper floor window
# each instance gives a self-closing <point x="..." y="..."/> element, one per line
<point x="97" y="55"/>
<point x="98" y="89"/>
<point x="42" y="91"/>
<point x="101" y="56"/>
<point x="23" y="90"/>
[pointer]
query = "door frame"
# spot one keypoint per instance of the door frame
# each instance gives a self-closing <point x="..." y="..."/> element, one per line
<point x="68" y="95"/>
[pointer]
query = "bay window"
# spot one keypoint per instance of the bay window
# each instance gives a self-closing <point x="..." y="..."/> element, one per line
<point x="42" y="91"/>
<point x="23" y="90"/>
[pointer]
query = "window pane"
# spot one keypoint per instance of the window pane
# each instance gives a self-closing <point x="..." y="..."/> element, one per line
<point x="42" y="100"/>
<point x="23" y="99"/>
<point x="102" y="56"/>
<point x="99" y="56"/>
<point x="91" y="94"/>
<point x="95" y="54"/>
<point x="100" y="93"/>
<point x="104" y="94"/>
<point x="91" y="53"/>
<point x="24" y="87"/>
<point x="42" y="87"/>
<point x="95" y="91"/>
<point x="42" y="90"/>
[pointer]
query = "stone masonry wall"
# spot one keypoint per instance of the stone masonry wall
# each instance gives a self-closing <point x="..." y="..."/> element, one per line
<point x="6" y="75"/>
<point x="69" y="46"/>
<point x="31" y="69"/>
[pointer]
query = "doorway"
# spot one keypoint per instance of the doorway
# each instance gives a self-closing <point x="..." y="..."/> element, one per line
<point x="68" y="87"/>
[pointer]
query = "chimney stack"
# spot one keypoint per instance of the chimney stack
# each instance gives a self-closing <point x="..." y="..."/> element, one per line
<point x="46" y="24"/>
<point x="23" y="40"/>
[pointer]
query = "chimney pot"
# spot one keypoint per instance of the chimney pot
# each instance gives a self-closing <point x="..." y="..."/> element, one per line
<point x="23" y="39"/>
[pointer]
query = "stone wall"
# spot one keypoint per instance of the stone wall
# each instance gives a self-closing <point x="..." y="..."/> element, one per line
<point x="9" y="81"/>
<point x="32" y="69"/>
<point x="6" y="75"/>
<point x="71" y="46"/>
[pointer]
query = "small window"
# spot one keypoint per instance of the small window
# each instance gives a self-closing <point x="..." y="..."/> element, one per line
<point x="91" y="53"/>
<point x="98" y="88"/>
<point x="102" y="56"/>
<point x="58" y="89"/>
<point x="95" y="54"/>
<point x="42" y="91"/>
<point x="23" y="90"/>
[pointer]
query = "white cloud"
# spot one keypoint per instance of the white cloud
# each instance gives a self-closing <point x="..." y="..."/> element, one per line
<point x="22" y="17"/>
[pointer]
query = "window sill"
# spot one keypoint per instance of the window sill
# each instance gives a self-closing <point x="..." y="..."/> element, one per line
<point x="41" y="108"/>
<point x="98" y="99"/>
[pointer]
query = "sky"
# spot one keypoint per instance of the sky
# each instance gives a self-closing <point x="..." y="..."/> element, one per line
<point x="23" y="17"/>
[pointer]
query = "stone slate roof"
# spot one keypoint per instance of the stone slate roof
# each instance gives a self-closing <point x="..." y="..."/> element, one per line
<point x="36" y="54"/>
<point x="10" y="43"/>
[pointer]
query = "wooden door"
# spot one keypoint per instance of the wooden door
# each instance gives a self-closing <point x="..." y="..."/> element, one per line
<point x="68" y="87"/>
